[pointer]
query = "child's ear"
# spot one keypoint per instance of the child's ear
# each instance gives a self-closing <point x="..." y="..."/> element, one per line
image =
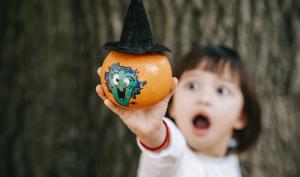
<point x="240" y="123"/>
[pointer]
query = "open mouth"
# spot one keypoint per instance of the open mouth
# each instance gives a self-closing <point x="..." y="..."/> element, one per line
<point x="201" y="122"/>
<point x="121" y="94"/>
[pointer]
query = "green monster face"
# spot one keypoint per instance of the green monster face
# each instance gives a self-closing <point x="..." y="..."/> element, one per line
<point x="123" y="83"/>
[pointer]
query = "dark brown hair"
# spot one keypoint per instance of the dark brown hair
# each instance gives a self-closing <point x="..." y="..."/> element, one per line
<point x="215" y="58"/>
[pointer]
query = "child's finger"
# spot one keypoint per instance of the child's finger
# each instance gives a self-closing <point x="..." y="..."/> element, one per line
<point x="174" y="86"/>
<point x="99" y="70"/>
<point x="175" y="83"/>
<point x="107" y="102"/>
<point x="172" y="91"/>
<point x="100" y="92"/>
<point x="113" y="107"/>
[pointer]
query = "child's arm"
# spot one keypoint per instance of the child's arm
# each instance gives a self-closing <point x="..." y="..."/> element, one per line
<point x="146" y="123"/>
<point x="167" y="161"/>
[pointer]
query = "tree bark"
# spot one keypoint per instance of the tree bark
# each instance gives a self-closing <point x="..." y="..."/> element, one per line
<point x="53" y="124"/>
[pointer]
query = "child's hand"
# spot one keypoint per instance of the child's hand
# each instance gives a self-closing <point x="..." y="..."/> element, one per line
<point x="145" y="123"/>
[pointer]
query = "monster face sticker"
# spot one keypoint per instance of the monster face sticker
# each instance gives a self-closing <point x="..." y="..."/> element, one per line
<point x="123" y="83"/>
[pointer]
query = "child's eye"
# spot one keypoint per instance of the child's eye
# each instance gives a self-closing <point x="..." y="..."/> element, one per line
<point x="222" y="90"/>
<point x="193" y="86"/>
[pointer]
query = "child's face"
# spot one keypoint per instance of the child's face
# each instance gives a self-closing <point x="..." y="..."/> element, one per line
<point x="207" y="107"/>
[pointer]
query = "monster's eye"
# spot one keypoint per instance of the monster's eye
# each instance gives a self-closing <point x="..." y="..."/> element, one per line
<point x="116" y="79"/>
<point x="126" y="82"/>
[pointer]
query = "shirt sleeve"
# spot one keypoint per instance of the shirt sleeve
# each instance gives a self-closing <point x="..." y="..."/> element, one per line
<point x="163" y="163"/>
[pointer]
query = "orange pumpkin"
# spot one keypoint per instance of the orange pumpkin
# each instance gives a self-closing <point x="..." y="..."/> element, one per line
<point x="134" y="81"/>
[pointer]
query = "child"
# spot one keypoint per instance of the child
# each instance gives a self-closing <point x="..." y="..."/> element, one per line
<point x="216" y="115"/>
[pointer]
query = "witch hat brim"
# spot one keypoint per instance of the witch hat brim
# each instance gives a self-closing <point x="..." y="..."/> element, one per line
<point x="136" y="35"/>
<point x="115" y="46"/>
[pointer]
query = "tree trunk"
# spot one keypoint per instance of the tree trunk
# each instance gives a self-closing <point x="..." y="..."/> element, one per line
<point x="53" y="124"/>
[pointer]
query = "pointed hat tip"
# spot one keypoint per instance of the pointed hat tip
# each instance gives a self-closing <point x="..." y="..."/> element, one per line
<point x="136" y="34"/>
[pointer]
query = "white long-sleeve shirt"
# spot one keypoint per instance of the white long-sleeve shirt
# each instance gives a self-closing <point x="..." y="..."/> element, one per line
<point x="178" y="160"/>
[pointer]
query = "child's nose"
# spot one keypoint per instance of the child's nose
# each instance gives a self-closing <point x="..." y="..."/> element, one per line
<point x="204" y="98"/>
<point x="204" y="102"/>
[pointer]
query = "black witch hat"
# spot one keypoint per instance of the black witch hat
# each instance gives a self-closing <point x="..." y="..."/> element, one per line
<point x="136" y="35"/>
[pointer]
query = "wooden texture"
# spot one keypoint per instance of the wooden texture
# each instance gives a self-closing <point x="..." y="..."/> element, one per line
<point x="53" y="124"/>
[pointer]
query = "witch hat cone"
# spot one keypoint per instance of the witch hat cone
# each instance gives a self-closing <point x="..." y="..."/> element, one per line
<point x="136" y="35"/>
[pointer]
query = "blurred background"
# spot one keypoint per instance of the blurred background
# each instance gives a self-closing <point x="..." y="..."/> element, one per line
<point x="52" y="123"/>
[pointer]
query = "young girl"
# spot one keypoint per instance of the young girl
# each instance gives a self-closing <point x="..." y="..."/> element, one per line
<point x="215" y="113"/>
